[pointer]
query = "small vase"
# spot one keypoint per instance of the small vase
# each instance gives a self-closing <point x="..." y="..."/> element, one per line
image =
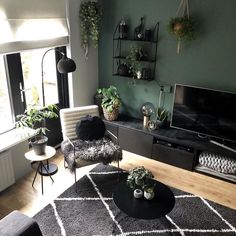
<point x="139" y="74"/>
<point x="148" y="195"/>
<point x="138" y="193"/>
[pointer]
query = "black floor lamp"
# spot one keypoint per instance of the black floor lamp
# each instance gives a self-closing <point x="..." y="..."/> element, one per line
<point x="65" y="65"/>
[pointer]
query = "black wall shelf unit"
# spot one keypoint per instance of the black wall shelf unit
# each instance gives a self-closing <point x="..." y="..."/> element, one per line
<point x="122" y="48"/>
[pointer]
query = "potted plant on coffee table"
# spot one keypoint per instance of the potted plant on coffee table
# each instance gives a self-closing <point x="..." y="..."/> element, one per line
<point x="35" y="118"/>
<point x="141" y="179"/>
<point x="149" y="189"/>
<point x="111" y="102"/>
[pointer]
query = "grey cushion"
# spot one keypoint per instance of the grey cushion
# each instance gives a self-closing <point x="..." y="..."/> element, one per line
<point x="18" y="224"/>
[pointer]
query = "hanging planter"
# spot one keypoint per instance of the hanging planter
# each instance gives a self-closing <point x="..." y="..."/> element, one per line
<point x="90" y="17"/>
<point x="183" y="27"/>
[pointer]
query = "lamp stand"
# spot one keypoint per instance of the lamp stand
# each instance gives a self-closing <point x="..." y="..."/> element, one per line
<point x="65" y="65"/>
<point x="145" y="121"/>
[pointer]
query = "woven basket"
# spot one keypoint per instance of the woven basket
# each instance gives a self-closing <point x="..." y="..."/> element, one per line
<point x="111" y="115"/>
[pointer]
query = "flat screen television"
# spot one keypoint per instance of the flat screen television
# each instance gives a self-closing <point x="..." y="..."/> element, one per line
<point x="205" y="111"/>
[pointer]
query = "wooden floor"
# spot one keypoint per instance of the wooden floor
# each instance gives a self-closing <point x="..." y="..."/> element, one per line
<point x="23" y="197"/>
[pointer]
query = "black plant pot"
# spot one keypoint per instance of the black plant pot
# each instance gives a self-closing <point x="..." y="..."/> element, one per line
<point x="39" y="143"/>
<point x="98" y="101"/>
<point x="123" y="69"/>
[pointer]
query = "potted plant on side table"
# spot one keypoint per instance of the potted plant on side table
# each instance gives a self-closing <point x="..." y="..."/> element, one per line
<point x="35" y="118"/>
<point x="111" y="102"/>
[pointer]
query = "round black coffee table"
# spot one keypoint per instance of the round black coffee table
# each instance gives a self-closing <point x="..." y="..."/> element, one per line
<point x="159" y="206"/>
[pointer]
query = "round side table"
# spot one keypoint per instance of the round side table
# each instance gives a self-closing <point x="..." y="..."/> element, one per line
<point x="43" y="169"/>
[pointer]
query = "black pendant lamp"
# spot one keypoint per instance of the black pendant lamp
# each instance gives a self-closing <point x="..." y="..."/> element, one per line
<point x="66" y="65"/>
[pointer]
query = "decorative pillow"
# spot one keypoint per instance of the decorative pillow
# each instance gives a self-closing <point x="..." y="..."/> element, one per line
<point x="218" y="162"/>
<point x="90" y="128"/>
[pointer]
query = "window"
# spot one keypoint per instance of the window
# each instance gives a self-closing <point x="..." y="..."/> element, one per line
<point x="6" y="114"/>
<point x="32" y="77"/>
<point x="21" y="86"/>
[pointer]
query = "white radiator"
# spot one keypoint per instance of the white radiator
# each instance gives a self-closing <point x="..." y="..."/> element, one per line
<point x="7" y="176"/>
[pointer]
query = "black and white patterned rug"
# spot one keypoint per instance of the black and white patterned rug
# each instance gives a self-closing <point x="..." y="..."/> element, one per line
<point x="91" y="211"/>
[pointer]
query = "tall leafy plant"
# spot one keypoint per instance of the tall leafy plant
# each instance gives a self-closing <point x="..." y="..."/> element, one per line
<point x="35" y="117"/>
<point x="90" y="18"/>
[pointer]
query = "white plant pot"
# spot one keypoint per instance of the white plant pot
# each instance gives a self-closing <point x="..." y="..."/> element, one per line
<point x="139" y="74"/>
<point x="138" y="193"/>
<point x="149" y="196"/>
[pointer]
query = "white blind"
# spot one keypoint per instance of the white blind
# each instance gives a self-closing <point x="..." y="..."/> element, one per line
<point x="28" y="24"/>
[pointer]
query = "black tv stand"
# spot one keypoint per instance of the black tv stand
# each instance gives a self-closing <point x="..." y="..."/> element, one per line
<point x="175" y="147"/>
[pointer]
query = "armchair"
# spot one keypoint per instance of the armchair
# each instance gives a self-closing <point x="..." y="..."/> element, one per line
<point x="79" y="153"/>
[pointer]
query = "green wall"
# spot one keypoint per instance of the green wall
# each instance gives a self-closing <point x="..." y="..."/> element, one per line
<point x="209" y="61"/>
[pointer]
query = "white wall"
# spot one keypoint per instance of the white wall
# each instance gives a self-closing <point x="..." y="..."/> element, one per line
<point x="84" y="81"/>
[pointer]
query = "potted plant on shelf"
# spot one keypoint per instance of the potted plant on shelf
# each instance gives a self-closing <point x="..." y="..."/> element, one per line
<point x="35" y="118"/>
<point x="111" y="102"/>
<point x="140" y="178"/>
<point x="133" y="59"/>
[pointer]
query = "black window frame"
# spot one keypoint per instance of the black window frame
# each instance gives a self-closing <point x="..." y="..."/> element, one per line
<point x="15" y="77"/>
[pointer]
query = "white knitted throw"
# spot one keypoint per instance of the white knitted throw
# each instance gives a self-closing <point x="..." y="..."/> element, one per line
<point x="217" y="162"/>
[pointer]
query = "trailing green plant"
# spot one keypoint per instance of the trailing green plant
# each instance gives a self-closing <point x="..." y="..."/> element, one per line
<point x="139" y="177"/>
<point x="90" y="18"/>
<point x="35" y="117"/>
<point x="110" y="98"/>
<point x="162" y="114"/>
<point x="184" y="28"/>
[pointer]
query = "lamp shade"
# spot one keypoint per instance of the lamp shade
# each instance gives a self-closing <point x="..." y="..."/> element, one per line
<point x="66" y="65"/>
<point x="147" y="109"/>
